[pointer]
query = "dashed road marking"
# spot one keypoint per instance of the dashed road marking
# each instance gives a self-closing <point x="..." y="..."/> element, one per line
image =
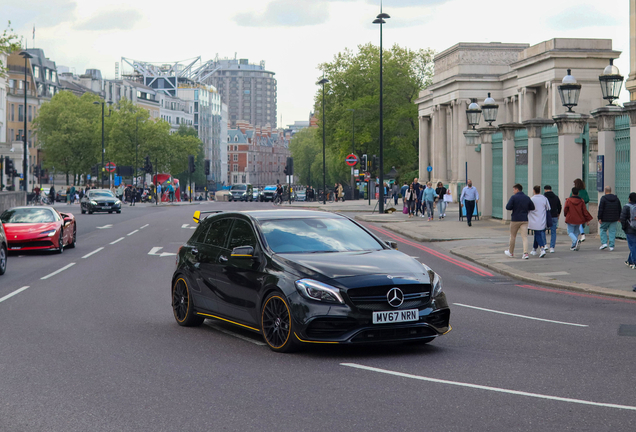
<point x="144" y="226"/>
<point x="93" y="253"/>
<point x="118" y="240"/>
<point x="58" y="271"/>
<point x="131" y="233"/>
<point x="8" y="296"/>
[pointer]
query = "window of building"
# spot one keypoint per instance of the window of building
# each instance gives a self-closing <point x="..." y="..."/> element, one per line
<point x="47" y="74"/>
<point x="11" y="83"/>
<point x="235" y="148"/>
<point x="228" y="140"/>
<point x="29" y="111"/>
<point x="235" y="178"/>
<point x="53" y="76"/>
<point x="19" y="135"/>
<point x="235" y="167"/>
<point x="235" y="140"/>
<point x="51" y="90"/>
<point x="20" y="113"/>
<point x="235" y="157"/>
<point x="36" y="71"/>
<point x="12" y="114"/>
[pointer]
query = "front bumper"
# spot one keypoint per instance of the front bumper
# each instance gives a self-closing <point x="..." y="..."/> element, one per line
<point x="45" y="243"/>
<point x="104" y="208"/>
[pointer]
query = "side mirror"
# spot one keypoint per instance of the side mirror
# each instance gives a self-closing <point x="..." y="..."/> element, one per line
<point x="243" y="252"/>
<point x="392" y="244"/>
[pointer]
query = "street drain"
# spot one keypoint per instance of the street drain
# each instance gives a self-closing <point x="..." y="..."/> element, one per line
<point x="627" y="330"/>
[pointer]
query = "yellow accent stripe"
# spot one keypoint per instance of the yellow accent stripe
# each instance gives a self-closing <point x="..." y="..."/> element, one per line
<point x="239" y="255"/>
<point x="320" y="342"/>
<point x="227" y="320"/>
<point x="449" y="329"/>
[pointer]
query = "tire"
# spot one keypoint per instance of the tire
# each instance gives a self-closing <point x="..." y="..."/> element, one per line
<point x="72" y="244"/>
<point x="118" y="211"/>
<point x="110" y="212"/>
<point x="3" y="260"/>
<point x="82" y="209"/>
<point x="277" y="324"/>
<point x="182" y="305"/>
<point x="60" y="248"/>
<point x="90" y="211"/>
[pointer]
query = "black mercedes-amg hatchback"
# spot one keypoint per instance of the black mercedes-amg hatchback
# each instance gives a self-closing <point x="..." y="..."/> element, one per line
<point x="300" y="277"/>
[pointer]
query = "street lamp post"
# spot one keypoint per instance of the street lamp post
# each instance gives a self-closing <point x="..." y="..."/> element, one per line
<point x="101" y="172"/>
<point x="353" y="146"/>
<point x="569" y="90"/>
<point x="25" y="166"/>
<point x="136" y="149"/>
<point x="611" y="83"/>
<point x="380" y="20"/>
<point x="324" y="162"/>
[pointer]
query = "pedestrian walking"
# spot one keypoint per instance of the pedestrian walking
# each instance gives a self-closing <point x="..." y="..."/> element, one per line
<point x="158" y="192"/>
<point x="395" y="189"/>
<point x="410" y="197"/>
<point x="403" y="190"/>
<point x="133" y="196"/>
<point x="520" y="204"/>
<point x="580" y="185"/>
<point x="469" y="198"/>
<point x="555" y="212"/>
<point x="576" y="215"/>
<point x="609" y="212"/>
<point x="440" y="191"/>
<point x="420" y="200"/>
<point x="538" y="221"/>
<point x="71" y="195"/>
<point x="429" y="200"/>
<point x="628" y="222"/>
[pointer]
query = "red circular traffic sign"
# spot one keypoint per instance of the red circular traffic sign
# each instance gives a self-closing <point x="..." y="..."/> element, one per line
<point x="351" y="160"/>
<point x="110" y="167"/>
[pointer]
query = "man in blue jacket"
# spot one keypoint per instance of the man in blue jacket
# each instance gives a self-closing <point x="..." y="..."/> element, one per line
<point x="520" y="204"/>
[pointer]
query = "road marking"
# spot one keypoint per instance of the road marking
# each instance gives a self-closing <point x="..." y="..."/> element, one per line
<point x="231" y="333"/>
<point x="105" y="226"/>
<point x="154" y="251"/>
<point x="131" y="233"/>
<point x="118" y="240"/>
<point x="92" y="253"/>
<point x="520" y="316"/>
<point x="187" y="226"/>
<point x="8" y="296"/>
<point x="144" y="226"/>
<point x="494" y="389"/>
<point x="58" y="271"/>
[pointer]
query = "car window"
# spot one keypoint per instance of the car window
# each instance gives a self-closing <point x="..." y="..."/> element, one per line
<point x="242" y="235"/>
<point x="200" y="233"/>
<point x="100" y="194"/>
<point x="217" y="233"/>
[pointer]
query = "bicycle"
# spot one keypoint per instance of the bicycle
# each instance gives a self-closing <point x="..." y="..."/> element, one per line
<point x="278" y="200"/>
<point x="39" y="200"/>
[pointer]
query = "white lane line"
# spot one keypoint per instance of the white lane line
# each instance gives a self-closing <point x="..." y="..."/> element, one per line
<point x="494" y="389"/>
<point x="92" y="253"/>
<point x="231" y="333"/>
<point x="8" y="296"/>
<point x="520" y="316"/>
<point x="131" y="233"/>
<point x="144" y="226"/>
<point x="58" y="271"/>
<point x="118" y="240"/>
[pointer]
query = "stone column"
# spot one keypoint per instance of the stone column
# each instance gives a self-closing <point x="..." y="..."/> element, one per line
<point x="570" y="127"/>
<point x="454" y="142"/>
<point x="508" y="130"/>
<point x="515" y="108"/>
<point x="439" y="146"/>
<point x="534" y="127"/>
<point x="528" y="103"/>
<point x="630" y="108"/>
<point x="605" y="123"/>
<point x="485" y="192"/>
<point x="508" y="110"/>
<point x="630" y="85"/>
<point x="424" y="146"/>
<point x="463" y="151"/>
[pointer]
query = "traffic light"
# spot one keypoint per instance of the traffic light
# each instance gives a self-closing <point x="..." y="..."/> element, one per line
<point x="376" y="163"/>
<point x="207" y="167"/>
<point x="286" y="171"/>
<point x="9" y="168"/>
<point x="289" y="168"/>
<point x="147" y="165"/>
<point x="95" y="170"/>
<point x="36" y="171"/>
<point x="363" y="163"/>
<point x="192" y="168"/>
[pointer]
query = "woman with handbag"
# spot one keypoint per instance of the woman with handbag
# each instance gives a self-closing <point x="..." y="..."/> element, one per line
<point x="410" y="197"/>
<point x="538" y="219"/>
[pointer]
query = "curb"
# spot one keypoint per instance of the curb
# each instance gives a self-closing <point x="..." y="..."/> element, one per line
<point x="530" y="277"/>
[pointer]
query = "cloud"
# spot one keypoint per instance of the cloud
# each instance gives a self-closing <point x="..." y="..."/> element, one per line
<point x="389" y="4"/>
<point x="579" y="19"/>
<point x="285" y="13"/>
<point x="28" y="12"/>
<point x="111" y="20"/>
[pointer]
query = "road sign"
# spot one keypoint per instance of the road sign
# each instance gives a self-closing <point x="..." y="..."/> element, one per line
<point x="351" y="160"/>
<point x="111" y="167"/>
<point x="429" y="168"/>
<point x="356" y="172"/>
<point x="367" y="176"/>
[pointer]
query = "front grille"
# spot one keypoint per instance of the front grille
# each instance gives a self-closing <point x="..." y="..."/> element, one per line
<point x="104" y="203"/>
<point x="390" y="334"/>
<point x="21" y="245"/>
<point x="330" y="327"/>
<point x="374" y="298"/>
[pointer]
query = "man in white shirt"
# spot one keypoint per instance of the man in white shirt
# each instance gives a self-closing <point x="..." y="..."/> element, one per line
<point x="469" y="198"/>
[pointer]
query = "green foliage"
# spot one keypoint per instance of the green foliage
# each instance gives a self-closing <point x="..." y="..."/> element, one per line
<point x="354" y="85"/>
<point x="8" y="44"/>
<point x="306" y="148"/>
<point x="188" y="136"/>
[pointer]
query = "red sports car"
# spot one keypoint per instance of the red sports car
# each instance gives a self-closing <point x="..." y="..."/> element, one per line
<point x="38" y="228"/>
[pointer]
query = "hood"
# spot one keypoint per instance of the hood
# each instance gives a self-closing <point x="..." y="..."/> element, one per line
<point x="28" y="230"/>
<point x="576" y="201"/>
<point x="549" y="194"/>
<point x="354" y="269"/>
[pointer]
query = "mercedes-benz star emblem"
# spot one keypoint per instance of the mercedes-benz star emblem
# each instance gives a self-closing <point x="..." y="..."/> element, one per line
<point x="395" y="296"/>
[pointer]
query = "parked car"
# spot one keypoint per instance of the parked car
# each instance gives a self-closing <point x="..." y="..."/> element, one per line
<point x="241" y="192"/>
<point x="305" y="277"/>
<point x="300" y="195"/>
<point x="38" y="228"/>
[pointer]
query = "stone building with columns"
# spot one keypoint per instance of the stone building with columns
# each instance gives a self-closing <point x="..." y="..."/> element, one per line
<point x="525" y="144"/>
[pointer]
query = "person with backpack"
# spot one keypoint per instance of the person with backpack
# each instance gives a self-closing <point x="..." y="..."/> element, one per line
<point x="520" y="204"/>
<point x="555" y="212"/>
<point x="628" y="222"/>
<point x="609" y="211"/>
<point x="580" y="185"/>
<point x="576" y="216"/>
<point x="537" y="220"/>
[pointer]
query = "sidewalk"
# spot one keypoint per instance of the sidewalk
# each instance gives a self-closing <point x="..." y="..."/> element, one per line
<point x="588" y="270"/>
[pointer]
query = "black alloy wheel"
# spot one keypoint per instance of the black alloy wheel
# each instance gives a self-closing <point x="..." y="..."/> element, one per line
<point x="82" y="209"/>
<point x="60" y="248"/>
<point x="3" y="259"/>
<point x="276" y="323"/>
<point x="182" y="305"/>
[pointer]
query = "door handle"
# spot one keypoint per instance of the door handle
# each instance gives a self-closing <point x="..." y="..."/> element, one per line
<point x="195" y="251"/>
<point x="222" y="258"/>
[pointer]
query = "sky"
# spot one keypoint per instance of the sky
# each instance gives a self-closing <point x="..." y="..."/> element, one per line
<point x="294" y="36"/>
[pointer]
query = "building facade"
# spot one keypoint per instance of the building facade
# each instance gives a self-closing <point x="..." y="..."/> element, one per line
<point x="175" y="111"/>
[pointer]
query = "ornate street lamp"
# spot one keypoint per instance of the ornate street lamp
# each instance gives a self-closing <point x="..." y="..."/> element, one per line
<point x="25" y="159"/>
<point x="324" y="162"/>
<point x="611" y="83"/>
<point x="473" y="113"/>
<point x="380" y="19"/>
<point x="569" y="91"/>
<point x="489" y="108"/>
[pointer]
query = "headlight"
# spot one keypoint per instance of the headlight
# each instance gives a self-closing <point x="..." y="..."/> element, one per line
<point x="94" y="202"/>
<point x="315" y="290"/>
<point x="436" y="282"/>
<point x="49" y="233"/>
<point x="117" y="202"/>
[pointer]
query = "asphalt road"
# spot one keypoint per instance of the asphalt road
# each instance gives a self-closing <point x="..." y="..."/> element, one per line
<point x="95" y="348"/>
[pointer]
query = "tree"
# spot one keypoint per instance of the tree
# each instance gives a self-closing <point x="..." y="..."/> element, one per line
<point x="8" y="44"/>
<point x="354" y="85"/>
<point x="306" y="149"/>
<point x="187" y="139"/>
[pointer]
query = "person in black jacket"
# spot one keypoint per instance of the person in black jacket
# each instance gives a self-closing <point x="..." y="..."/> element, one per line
<point x="555" y="212"/>
<point x="520" y="204"/>
<point x="628" y="222"/>
<point x="609" y="211"/>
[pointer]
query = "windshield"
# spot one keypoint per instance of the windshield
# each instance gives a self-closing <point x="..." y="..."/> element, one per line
<point x="98" y="194"/>
<point x="27" y="215"/>
<point x="270" y="188"/>
<point x="312" y="235"/>
<point x="239" y="187"/>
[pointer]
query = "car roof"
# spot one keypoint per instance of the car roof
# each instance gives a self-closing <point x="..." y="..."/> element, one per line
<point x="286" y="214"/>
<point x="32" y="208"/>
